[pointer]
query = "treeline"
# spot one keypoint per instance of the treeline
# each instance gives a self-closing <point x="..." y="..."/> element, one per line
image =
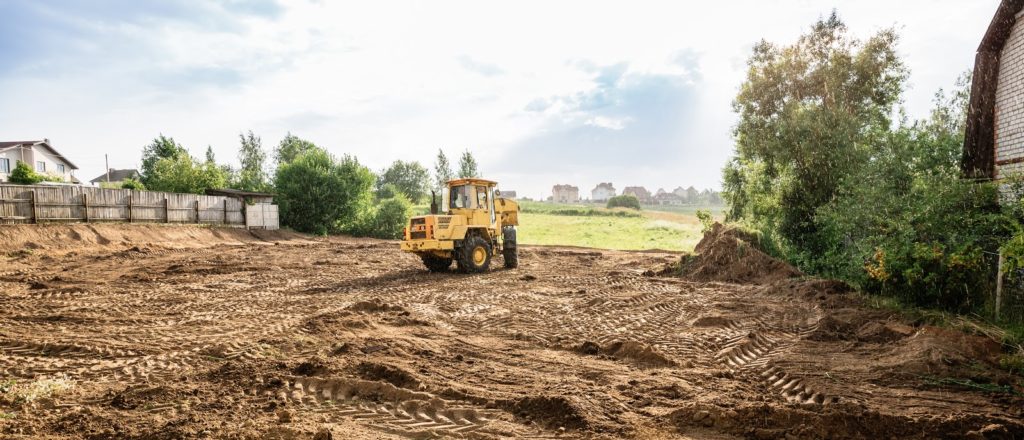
<point x="841" y="183"/>
<point x="316" y="191"/>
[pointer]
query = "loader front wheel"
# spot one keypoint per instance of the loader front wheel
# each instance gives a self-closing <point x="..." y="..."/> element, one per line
<point x="510" y="252"/>
<point x="475" y="255"/>
<point x="436" y="264"/>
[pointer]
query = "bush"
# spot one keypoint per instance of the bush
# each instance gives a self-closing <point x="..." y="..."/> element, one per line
<point x="386" y="219"/>
<point x="318" y="194"/>
<point x="132" y="183"/>
<point x="23" y="174"/>
<point x="624" y="201"/>
<point x="706" y="221"/>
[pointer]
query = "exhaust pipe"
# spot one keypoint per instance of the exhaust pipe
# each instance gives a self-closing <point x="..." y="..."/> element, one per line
<point x="433" y="202"/>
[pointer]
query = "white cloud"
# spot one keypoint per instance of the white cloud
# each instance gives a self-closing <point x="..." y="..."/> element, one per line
<point x="651" y="81"/>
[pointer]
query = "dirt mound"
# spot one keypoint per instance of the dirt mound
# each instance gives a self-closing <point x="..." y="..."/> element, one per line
<point x="552" y="412"/>
<point x="727" y="254"/>
<point x="639" y="354"/>
<point x="387" y="373"/>
<point x="135" y="238"/>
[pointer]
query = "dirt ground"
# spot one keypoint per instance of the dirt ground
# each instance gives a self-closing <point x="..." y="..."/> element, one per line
<point x="150" y="332"/>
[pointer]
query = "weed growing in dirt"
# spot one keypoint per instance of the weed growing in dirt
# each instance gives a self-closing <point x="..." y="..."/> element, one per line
<point x="970" y="385"/>
<point x="22" y="393"/>
<point x="1014" y="363"/>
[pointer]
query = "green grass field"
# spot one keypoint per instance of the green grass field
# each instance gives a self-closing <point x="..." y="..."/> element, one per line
<point x="672" y="228"/>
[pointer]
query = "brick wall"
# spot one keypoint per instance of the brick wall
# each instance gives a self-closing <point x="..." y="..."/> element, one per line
<point x="1010" y="104"/>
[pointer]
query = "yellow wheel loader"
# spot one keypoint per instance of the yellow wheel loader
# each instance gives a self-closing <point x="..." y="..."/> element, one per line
<point x="469" y="227"/>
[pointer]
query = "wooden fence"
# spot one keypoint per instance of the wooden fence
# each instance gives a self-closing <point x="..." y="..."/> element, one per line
<point x="45" y="204"/>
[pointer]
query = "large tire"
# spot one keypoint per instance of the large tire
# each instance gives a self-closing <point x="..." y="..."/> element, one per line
<point x="436" y="264"/>
<point x="474" y="256"/>
<point x="510" y="251"/>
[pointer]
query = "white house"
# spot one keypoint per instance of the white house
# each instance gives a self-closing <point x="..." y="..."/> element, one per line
<point x="602" y="192"/>
<point x="40" y="155"/>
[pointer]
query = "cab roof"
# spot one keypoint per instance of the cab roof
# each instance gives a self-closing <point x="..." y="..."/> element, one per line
<point x="471" y="181"/>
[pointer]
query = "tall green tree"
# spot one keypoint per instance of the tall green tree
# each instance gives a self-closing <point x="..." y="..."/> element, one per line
<point x="162" y="147"/>
<point x="442" y="170"/>
<point x="467" y="166"/>
<point x="410" y="178"/>
<point x="209" y="154"/>
<point x="252" y="175"/>
<point x="808" y="113"/>
<point x="184" y="174"/>
<point x="320" y="194"/>
<point x="291" y="147"/>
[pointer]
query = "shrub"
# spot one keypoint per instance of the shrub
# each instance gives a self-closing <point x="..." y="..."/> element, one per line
<point x="132" y="183"/>
<point x="385" y="220"/>
<point x="23" y="174"/>
<point x="624" y="201"/>
<point x="318" y="194"/>
<point x="706" y="221"/>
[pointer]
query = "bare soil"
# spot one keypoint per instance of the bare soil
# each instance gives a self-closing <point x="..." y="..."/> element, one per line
<point x="210" y="333"/>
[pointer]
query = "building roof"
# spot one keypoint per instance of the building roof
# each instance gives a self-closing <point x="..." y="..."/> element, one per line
<point x="117" y="175"/>
<point x="604" y="185"/>
<point x="564" y="188"/>
<point x="235" y="193"/>
<point x="45" y="143"/>
<point x="979" y="158"/>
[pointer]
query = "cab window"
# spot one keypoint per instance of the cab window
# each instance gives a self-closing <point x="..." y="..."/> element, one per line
<point x="481" y="197"/>
<point x="461" y="197"/>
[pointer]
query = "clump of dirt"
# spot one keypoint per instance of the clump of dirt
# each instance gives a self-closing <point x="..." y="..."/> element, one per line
<point x="637" y="353"/>
<point x="552" y="412"/>
<point x="387" y="373"/>
<point x="712" y="321"/>
<point x="334" y="322"/>
<point x="374" y="306"/>
<point x="727" y="254"/>
<point x="312" y="367"/>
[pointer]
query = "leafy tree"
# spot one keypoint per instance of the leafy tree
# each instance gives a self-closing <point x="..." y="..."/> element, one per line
<point x="386" y="219"/>
<point x="162" y="147"/>
<point x="184" y="174"/>
<point x="290" y="148"/>
<point x="410" y="178"/>
<point x="319" y="194"/>
<point x="23" y="174"/>
<point x="624" y="201"/>
<point x="467" y="166"/>
<point x="442" y="170"/>
<point x="251" y="175"/>
<point x="209" y="154"/>
<point x="132" y="183"/>
<point x="807" y="114"/>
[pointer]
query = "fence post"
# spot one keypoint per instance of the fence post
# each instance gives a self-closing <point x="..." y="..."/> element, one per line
<point x="129" y="206"/>
<point x="225" y="211"/>
<point x="197" y="211"/>
<point x="35" y="207"/>
<point x="167" y="211"/>
<point x="999" y="284"/>
<point x="85" y="202"/>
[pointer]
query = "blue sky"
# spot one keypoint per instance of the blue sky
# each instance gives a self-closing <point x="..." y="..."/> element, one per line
<point x="544" y="93"/>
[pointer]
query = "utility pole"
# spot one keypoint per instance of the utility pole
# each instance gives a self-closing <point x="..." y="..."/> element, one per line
<point x="106" y="160"/>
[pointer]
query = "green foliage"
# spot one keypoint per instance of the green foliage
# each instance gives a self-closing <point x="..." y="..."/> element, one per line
<point x="319" y="194"/>
<point x="409" y="178"/>
<point x="251" y="175"/>
<point x="184" y="174"/>
<point x="132" y="183"/>
<point x="706" y="221"/>
<point x="467" y="166"/>
<point x="290" y="148"/>
<point x="162" y="147"/>
<point x="23" y="174"/>
<point x="624" y="201"/>
<point x="807" y="113"/>
<point x="386" y="219"/>
<point x="442" y="170"/>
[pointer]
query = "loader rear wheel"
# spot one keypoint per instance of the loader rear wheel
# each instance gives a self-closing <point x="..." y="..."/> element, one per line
<point x="510" y="251"/>
<point x="436" y="264"/>
<point x="474" y="255"/>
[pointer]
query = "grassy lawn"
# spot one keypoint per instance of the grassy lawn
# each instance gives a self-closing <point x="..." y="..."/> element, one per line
<point x="673" y="228"/>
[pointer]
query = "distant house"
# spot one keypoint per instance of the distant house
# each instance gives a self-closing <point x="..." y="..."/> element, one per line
<point x="565" y="194"/>
<point x="507" y="194"/>
<point x="40" y="155"/>
<point x="116" y="177"/>
<point x="681" y="193"/>
<point x="641" y="193"/>
<point x="602" y="192"/>
<point x="667" y="198"/>
<point x="660" y="192"/>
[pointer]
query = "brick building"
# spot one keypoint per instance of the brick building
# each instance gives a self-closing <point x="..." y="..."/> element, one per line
<point x="994" y="141"/>
<point x="565" y="194"/>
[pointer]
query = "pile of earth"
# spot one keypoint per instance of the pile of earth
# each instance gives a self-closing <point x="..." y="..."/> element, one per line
<point x="728" y="254"/>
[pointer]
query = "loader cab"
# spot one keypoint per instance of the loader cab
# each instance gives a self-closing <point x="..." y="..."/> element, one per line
<point x="472" y="198"/>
